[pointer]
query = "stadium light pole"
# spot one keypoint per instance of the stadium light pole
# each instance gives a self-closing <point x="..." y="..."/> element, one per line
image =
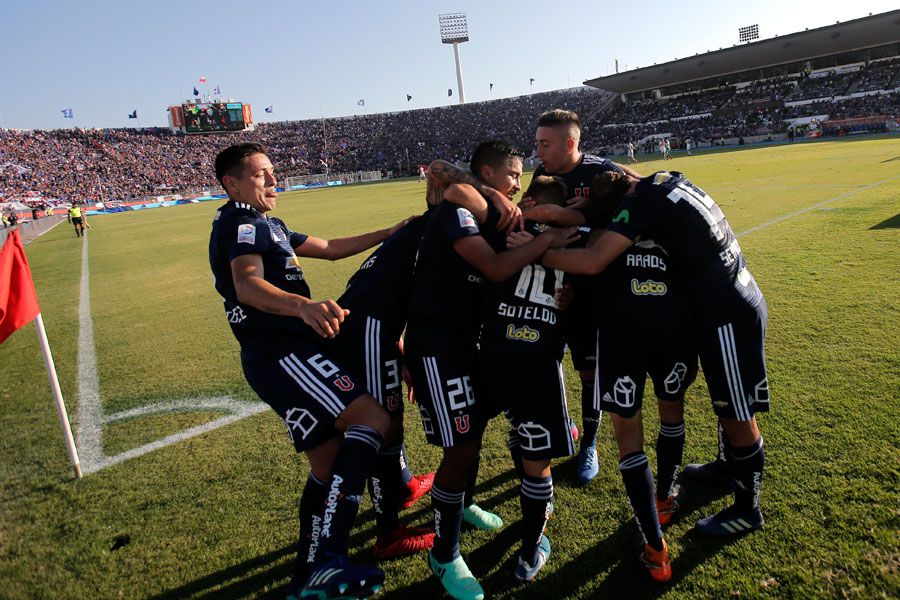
<point x="455" y="30"/>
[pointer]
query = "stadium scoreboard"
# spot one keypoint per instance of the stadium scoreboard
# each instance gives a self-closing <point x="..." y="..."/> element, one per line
<point x="210" y="116"/>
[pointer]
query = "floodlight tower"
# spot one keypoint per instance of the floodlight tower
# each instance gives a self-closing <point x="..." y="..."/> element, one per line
<point x="455" y="30"/>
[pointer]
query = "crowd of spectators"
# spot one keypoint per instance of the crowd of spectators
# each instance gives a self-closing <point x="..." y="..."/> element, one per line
<point x="822" y="87"/>
<point x="877" y="76"/>
<point x="122" y="164"/>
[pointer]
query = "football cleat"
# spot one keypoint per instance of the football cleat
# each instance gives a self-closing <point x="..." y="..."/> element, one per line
<point x="715" y="472"/>
<point x="731" y="521"/>
<point x="525" y="572"/>
<point x="667" y="508"/>
<point x="481" y="519"/>
<point x="403" y="541"/>
<point x="456" y="578"/>
<point x="657" y="563"/>
<point x="417" y="487"/>
<point x="587" y="465"/>
<point x="339" y="579"/>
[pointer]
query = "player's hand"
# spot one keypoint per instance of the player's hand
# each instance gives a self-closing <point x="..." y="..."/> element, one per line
<point x="564" y="296"/>
<point x="400" y="225"/>
<point x="510" y="214"/>
<point x="578" y="202"/>
<point x="518" y="238"/>
<point x="560" y="238"/>
<point x="526" y="203"/>
<point x="324" y="317"/>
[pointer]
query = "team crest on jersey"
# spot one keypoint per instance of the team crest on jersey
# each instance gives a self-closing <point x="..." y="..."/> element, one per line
<point x="246" y="234"/>
<point x="466" y="219"/>
<point x="648" y="288"/>
<point x="462" y="423"/>
<point x="344" y="383"/>
<point x="522" y="334"/>
<point x="292" y="263"/>
<point x="392" y="402"/>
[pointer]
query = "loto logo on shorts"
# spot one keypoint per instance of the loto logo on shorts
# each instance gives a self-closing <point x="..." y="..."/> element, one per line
<point x="648" y="288"/>
<point x="462" y="423"/>
<point x="344" y="383"/>
<point x="522" y="334"/>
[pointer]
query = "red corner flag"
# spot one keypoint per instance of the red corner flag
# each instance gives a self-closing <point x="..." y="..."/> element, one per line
<point x="18" y="301"/>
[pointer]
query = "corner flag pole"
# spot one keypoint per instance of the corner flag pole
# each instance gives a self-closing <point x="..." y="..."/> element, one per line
<point x="57" y="394"/>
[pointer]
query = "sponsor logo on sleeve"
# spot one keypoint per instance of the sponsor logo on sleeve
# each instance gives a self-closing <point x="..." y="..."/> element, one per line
<point x="246" y="234"/>
<point x="622" y="217"/>
<point x="466" y="219"/>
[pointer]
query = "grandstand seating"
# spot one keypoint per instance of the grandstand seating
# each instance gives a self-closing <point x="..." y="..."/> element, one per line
<point x="121" y="164"/>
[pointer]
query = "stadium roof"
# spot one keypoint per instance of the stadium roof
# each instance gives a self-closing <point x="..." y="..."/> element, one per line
<point x="859" y="34"/>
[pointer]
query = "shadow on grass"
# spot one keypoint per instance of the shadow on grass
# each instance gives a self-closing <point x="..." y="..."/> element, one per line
<point x="891" y="223"/>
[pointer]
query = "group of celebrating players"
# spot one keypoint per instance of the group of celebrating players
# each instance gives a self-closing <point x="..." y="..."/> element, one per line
<point x="595" y="257"/>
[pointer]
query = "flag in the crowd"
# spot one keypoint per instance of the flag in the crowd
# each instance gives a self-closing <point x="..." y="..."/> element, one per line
<point x="18" y="300"/>
<point x="133" y="115"/>
<point x="492" y="86"/>
<point x="360" y="102"/>
<point x="217" y="90"/>
<point x="408" y="97"/>
<point x="68" y="113"/>
<point x="270" y="109"/>
<point x="449" y="92"/>
<point x="196" y="92"/>
<point x="530" y="81"/>
<point x="203" y="79"/>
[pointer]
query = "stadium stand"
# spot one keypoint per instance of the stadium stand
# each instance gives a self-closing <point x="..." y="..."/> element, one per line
<point x="753" y="92"/>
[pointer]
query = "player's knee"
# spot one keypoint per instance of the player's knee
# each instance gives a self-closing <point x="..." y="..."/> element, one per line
<point x="365" y="410"/>
<point x="536" y="468"/>
<point x="671" y="411"/>
<point x="741" y="433"/>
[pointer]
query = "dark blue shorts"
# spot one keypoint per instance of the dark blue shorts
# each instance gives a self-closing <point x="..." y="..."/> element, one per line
<point x="625" y="356"/>
<point x="305" y="386"/>
<point x="369" y="351"/>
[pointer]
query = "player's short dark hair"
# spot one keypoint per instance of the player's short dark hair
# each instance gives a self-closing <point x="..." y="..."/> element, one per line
<point x="558" y="116"/>
<point x="232" y="158"/>
<point x="492" y="153"/>
<point x="547" y="189"/>
<point x="607" y="190"/>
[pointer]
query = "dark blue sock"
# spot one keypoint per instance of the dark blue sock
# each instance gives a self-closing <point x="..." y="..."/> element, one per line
<point x="469" y="498"/>
<point x="405" y="474"/>
<point x="352" y="466"/>
<point x="669" y="453"/>
<point x="590" y="414"/>
<point x="312" y="503"/>
<point x="747" y="465"/>
<point x="638" y="479"/>
<point x="385" y="486"/>
<point x="448" y="512"/>
<point x="535" y="497"/>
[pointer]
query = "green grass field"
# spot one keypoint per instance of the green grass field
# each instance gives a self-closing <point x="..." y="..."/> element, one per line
<point x="215" y="516"/>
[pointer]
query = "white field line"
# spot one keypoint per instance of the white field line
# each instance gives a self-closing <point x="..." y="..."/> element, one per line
<point x="90" y="414"/>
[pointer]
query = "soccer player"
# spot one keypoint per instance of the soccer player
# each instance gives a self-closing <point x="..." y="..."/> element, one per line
<point x="328" y="413"/>
<point x="455" y="258"/>
<point x="558" y="136"/>
<point x="76" y="217"/>
<point x="629" y="147"/>
<point x="728" y="309"/>
<point x="522" y="330"/>
<point x="667" y="148"/>
<point x="377" y="297"/>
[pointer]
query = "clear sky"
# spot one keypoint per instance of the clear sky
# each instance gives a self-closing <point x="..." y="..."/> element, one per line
<point x="309" y="59"/>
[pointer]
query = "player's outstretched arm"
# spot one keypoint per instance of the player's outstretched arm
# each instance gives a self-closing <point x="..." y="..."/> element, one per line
<point x="629" y="171"/>
<point x="339" y="248"/>
<point x="247" y="273"/>
<point x="444" y="174"/>
<point x="553" y="214"/>
<point x="588" y="261"/>
<point x="499" y="267"/>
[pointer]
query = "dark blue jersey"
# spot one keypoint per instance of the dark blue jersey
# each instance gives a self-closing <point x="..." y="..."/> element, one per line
<point x="238" y="229"/>
<point x="682" y="218"/>
<point x="639" y="288"/>
<point x="381" y="286"/>
<point x="521" y="313"/>
<point x="579" y="180"/>
<point x="447" y="292"/>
